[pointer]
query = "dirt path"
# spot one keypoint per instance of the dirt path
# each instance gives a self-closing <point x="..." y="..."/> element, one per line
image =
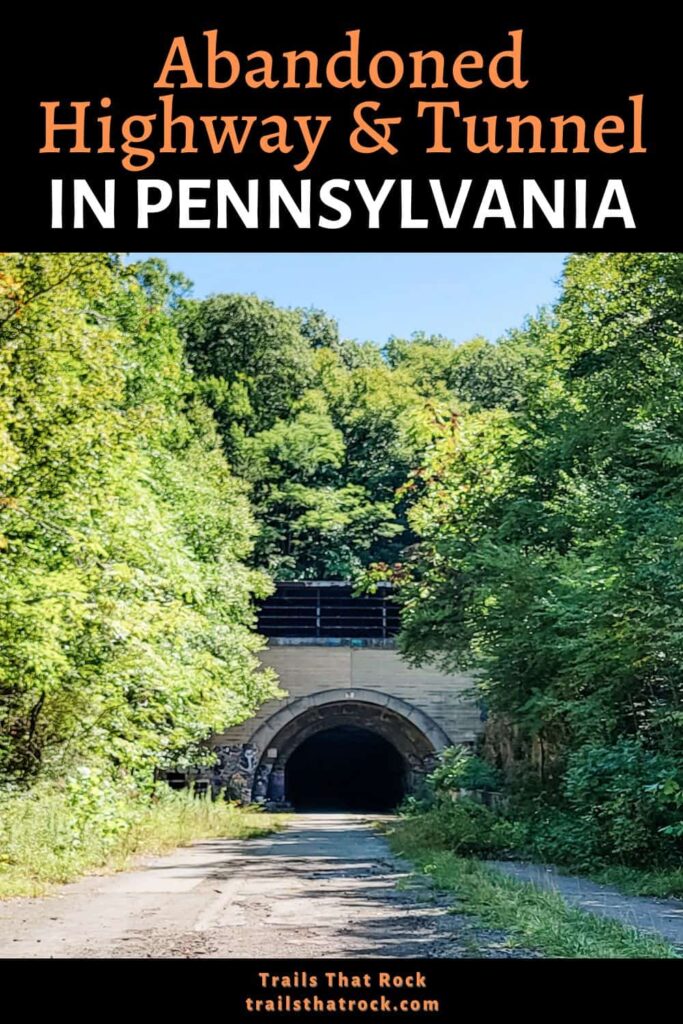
<point x="325" y="886"/>
<point x="656" y="916"/>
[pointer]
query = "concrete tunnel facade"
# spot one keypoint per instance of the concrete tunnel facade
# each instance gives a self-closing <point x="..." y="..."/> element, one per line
<point x="359" y="727"/>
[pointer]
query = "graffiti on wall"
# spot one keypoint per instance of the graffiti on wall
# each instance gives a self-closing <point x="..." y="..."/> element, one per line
<point x="234" y="771"/>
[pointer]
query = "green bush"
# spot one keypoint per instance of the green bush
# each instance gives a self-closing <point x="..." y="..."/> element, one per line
<point x="619" y="806"/>
<point x="463" y="827"/>
<point x="615" y="805"/>
<point x="557" y="836"/>
<point x="459" y="768"/>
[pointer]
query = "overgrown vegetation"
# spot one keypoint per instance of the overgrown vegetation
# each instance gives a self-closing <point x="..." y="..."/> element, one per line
<point x="126" y="630"/>
<point x="531" y="918"/>
<point x="459" y="769"/>
<point x="463" y="826"/>
<point x="612" y="808"/>
<point x="549" y="559"/>
<point x="329" y="433"/>
<point x="56" y="833"/>
<point x="607" y="823"/>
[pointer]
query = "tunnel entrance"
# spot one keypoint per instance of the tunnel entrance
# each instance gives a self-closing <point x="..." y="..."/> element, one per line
<point x="345" y="768"/>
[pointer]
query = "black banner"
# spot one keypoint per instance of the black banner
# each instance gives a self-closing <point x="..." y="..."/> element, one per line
<point x="416" y="991"/>
<point x="453" y="130"/>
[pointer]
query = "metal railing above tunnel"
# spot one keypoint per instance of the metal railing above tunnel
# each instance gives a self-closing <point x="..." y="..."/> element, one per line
<point x="328" y="610"/>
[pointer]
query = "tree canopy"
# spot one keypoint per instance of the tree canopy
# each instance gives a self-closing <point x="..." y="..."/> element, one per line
<point x="550" y="530"/>
<point x="126" y="627"/>
<point x="325" y="430"/>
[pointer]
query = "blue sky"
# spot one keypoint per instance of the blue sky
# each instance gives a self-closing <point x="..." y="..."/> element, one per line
<point x="375" y="295"/>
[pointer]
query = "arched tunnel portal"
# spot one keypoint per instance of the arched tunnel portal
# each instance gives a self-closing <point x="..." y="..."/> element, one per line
<point x="361" y="751"/>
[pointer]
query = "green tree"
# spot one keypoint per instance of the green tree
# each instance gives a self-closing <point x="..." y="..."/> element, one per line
<point x="126" y="635"/>
<point x="253" y="359"/>
<point x="550" y="552"/>
<point x="324" y="432"/>
<point x="476" y="373"/>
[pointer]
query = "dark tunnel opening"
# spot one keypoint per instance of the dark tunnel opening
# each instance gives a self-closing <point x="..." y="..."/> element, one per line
<point x="346" y="768"/>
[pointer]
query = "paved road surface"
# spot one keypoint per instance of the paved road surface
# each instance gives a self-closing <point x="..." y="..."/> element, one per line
<point x="658" y="916"/>
<point x="325" y="886"/>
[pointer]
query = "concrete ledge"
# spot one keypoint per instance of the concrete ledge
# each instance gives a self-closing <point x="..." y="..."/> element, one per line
<point x="332" y="641"/>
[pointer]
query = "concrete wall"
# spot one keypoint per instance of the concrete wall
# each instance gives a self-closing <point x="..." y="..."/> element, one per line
<point x="304" y="669"/>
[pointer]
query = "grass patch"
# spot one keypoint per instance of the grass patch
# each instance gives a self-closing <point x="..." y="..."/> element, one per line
<point x="661" y="882"/>
<point x="46" y="840"/>
<point x="532" y="919"/>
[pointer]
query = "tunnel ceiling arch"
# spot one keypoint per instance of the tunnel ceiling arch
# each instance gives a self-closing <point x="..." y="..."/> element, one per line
<point x="409" y="741"/>
<point x="414" y="734"/>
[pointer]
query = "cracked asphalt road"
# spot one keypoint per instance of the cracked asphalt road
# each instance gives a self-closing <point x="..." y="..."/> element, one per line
<point x="326" y="886"/>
